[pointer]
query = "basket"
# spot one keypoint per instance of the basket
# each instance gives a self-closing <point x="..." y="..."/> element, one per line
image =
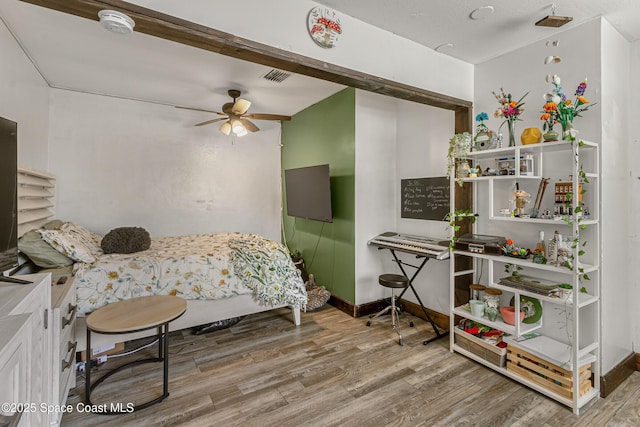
<point x="489" y="352"/>
<point x="552" y="377"/>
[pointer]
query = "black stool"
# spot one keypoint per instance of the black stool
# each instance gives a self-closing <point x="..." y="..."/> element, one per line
<point x="393" y="281"/>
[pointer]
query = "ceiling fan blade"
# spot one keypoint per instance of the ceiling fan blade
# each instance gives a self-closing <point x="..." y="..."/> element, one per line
<point x="199" y="109"/>
<point x="208" y="122"/>
<point x="259" y="116"/>
<point x="240" y="106"/>
<point x="226" y="128"/>
<point x="249" y="125"/>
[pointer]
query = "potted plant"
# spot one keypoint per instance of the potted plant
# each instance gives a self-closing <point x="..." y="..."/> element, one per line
<point x="459" y="148"/>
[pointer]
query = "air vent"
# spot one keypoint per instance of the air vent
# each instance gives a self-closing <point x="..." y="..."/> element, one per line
<point x="277" y="76"/>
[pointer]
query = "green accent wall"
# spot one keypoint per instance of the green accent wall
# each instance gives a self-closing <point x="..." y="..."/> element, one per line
<point x="325" y="133"/>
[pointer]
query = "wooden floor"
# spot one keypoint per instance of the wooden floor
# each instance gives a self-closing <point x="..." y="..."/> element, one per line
<point x="332" y="371"/>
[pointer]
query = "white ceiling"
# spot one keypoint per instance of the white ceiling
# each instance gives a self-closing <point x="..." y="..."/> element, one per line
<point x="76" y="53"/>
<point x="510" y="26"/>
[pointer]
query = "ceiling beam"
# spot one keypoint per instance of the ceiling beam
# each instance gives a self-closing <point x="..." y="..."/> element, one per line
<point x="178" y="30"/>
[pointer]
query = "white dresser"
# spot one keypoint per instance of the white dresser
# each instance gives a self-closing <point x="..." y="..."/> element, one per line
<point x="29" y="346"/>
<point x="63" y="356"/>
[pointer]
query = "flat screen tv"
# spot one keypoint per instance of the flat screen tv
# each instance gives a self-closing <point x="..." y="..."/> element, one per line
<point x="8" y="195"/>
<point x="308" y="193"/>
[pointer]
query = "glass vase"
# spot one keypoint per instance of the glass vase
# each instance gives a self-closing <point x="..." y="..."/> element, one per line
<point x="568" y="132"/>
<point x="512" y="132"/>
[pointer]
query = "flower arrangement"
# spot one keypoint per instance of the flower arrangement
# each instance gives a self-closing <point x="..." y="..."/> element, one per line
<point x="481" y="118"/>
<point x="483" y="136"/>
<point x="565" y="109"/>
<point x="549" y="113"/>
<point x="509" y="109"/>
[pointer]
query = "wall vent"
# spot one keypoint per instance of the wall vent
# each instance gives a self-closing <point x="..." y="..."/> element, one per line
<point x="277" y="76"/>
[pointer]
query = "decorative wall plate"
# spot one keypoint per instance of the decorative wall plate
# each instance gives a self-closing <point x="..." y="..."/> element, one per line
<point x="324" y="27"/>
<point x="531" y="307"/>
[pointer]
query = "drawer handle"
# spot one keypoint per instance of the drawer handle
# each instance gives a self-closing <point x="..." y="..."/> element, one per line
<point x="72" y="353"/>
<point x="72" y="315"/>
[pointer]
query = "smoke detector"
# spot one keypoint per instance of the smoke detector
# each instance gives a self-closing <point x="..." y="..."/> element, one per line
<point x="116" y="22"/>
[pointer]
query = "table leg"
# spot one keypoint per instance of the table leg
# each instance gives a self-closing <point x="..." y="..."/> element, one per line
<point x="87" y="369"/>
<point x="166" y="359"/>
<point x="424" y="309"/>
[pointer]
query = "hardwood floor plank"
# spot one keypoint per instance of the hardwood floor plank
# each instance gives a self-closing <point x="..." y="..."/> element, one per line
<point x="332" y="370"/>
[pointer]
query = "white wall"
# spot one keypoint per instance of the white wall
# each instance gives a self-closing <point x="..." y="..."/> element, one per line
<point x="618" y="311"/>
<point x="361" y="46"/>
<point x="24" y="99"/>
<point x="396" y="140"/>
<point x="634" y="189"/>
<point x="593" y="50"/>
<point x="129" y="163"/>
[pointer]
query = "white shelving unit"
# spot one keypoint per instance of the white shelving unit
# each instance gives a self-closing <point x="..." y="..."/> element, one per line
<point x="568" y="331"/>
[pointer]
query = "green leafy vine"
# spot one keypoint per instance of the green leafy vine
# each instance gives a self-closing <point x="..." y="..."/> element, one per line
<point x="577" y="216"/>
<point x="454" y="218"/>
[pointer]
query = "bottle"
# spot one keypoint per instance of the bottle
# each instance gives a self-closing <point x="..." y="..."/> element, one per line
<point x="540" y="246"/>
<point x="552" y="249"/>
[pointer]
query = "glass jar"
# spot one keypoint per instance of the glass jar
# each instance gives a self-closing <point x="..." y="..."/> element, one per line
<point x="492" y="300"/>
<point x="476" y="291"/>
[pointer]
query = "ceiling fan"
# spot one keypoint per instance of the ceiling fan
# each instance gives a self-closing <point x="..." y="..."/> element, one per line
<point x="236" y="117"/>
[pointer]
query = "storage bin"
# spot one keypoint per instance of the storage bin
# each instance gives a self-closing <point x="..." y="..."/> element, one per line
<point x="487" y="351"/>
<point x="546" y="374"/>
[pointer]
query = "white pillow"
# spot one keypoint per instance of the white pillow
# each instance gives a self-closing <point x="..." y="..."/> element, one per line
<point x="74" y="241"/>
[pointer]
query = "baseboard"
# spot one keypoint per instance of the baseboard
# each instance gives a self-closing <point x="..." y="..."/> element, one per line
<point x="612" y="379"/>
<point x="342" y="305"/>
<point x="373" y="307"/>
<point x="637" y="361"/>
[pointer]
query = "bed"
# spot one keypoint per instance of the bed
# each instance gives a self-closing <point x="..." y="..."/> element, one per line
<point x="221" y="275"/>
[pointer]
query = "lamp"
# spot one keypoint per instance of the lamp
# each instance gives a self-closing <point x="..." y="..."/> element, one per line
<point x="237" y="127"/>
<point x="226" y="128"/>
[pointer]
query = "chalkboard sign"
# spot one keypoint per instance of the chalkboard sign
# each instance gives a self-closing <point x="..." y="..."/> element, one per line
<point x="425" y="198"/>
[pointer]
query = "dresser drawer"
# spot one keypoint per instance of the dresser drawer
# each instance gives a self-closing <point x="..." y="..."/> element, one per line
<point x="63" y="335"/>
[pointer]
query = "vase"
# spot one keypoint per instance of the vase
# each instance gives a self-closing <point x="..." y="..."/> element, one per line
<point x="568" y="132"/>
<point x="550" y="135"/>
<point x="512" y="132"/>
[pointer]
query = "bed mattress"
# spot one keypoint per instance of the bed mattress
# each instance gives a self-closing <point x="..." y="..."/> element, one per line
<point x="203" y="266"/>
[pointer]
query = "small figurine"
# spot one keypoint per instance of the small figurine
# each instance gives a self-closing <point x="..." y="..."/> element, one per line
<point x="521" y="201"/>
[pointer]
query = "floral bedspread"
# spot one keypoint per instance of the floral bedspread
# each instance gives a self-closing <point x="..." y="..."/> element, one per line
<point x="203" y="266"/>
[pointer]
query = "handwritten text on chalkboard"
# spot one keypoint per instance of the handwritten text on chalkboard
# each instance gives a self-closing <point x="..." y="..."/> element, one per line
<point x="425" y="198"/>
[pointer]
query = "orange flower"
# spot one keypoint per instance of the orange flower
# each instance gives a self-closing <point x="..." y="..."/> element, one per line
<point x="583" y="100"/>
<point x="550" y="106"/>
<point x="509" y="242"/>
<point x="545" y="116"/>
<point x="513" y="104"/>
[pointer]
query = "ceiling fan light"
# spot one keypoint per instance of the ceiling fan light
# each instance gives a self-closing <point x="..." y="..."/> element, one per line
<point x="238" y="127"/>
<point x="226" y="128"/>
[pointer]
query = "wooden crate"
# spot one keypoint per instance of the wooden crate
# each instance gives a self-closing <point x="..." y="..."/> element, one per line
<point x="489" y="352"/>
<point x="546" y="374"/>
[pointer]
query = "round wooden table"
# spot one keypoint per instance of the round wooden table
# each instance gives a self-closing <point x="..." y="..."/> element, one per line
<point x="133" y="315"/>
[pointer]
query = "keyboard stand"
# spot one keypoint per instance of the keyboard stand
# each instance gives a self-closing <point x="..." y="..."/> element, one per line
<point x="424" y="309"/>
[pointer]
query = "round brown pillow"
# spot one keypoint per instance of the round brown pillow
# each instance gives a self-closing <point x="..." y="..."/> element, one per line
<point x="126" y="240"/>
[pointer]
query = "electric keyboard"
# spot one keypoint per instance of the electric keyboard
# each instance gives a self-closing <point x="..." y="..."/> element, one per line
<point x="418" y="245"/>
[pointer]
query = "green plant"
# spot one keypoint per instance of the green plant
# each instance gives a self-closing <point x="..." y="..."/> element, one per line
<point x="459" y="148"/>
<point x="455" y="217"/>
<point x="575" y="220"/>
<point x="512" y="269"/>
